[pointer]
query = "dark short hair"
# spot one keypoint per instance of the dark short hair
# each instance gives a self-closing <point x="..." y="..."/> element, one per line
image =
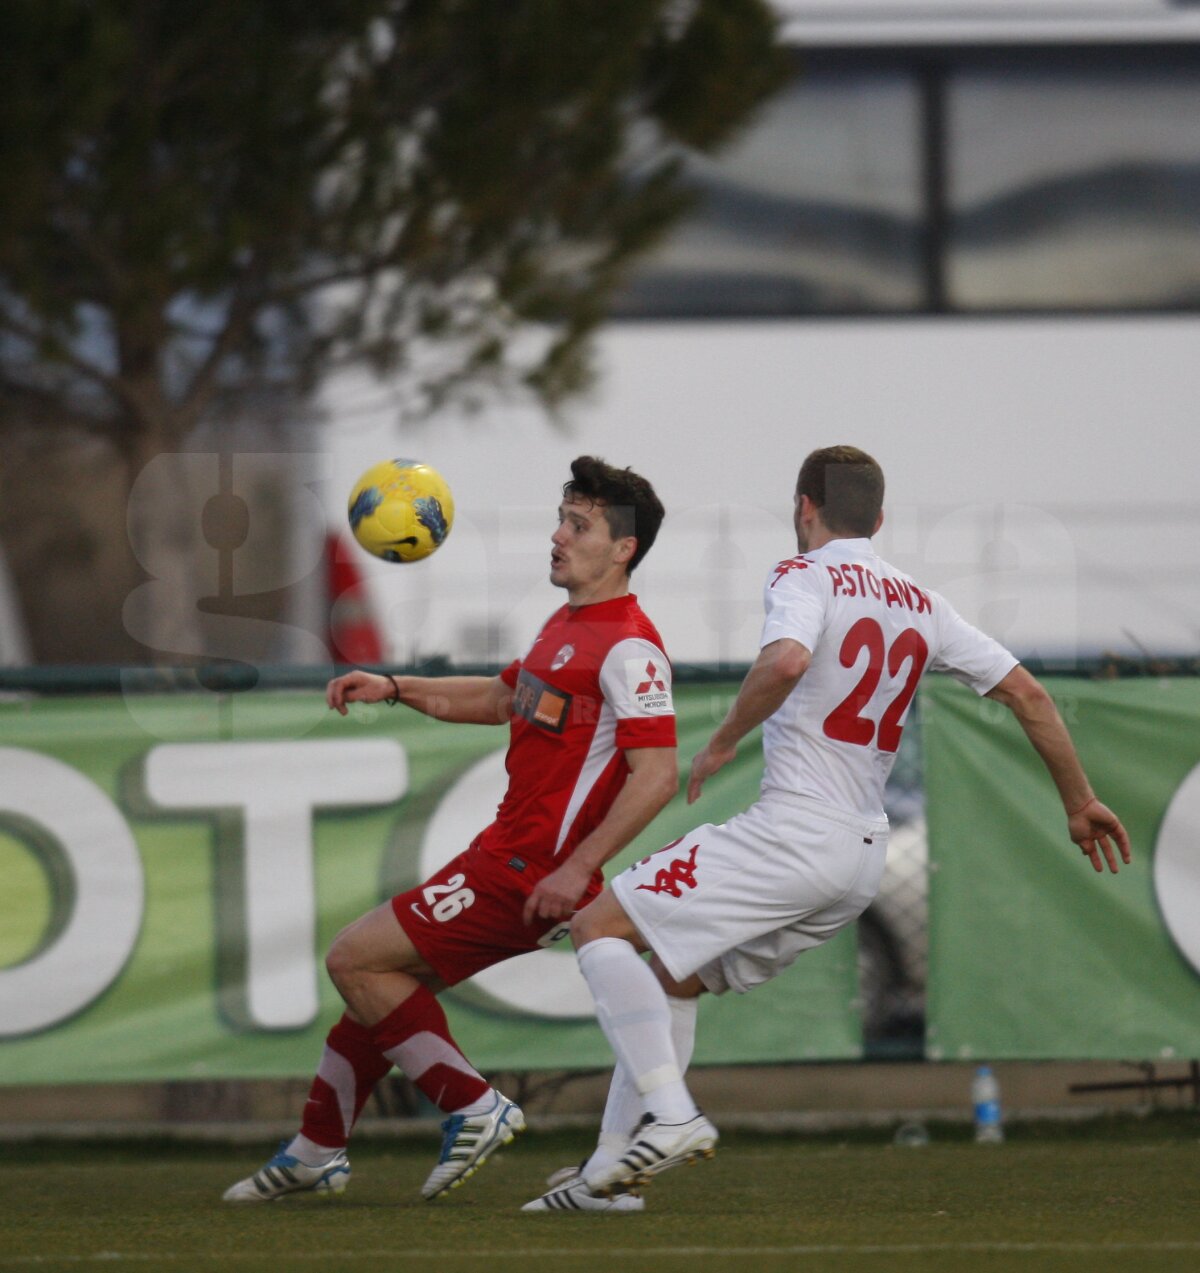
<point x="628" y="500"/>
<point x="846" y="485"/>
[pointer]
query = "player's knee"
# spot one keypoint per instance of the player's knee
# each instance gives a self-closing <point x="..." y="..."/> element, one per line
<point x="589" y="924"/>
<point x="341" y="962"/>
<point x="604" y="917"/>
<point x="582" y="928"/>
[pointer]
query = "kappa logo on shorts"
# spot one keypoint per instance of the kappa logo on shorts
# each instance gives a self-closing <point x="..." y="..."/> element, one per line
<point x="681" y="871"/>
<point x="647" y="682"/>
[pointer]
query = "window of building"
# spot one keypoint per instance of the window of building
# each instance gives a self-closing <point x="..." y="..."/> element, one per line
<point x="816" y="208"/>
<point x="1073" y="187"/>
<point x="938" y="181"/>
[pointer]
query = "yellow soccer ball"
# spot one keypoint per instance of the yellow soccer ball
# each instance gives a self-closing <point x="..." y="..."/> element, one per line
<point x="401" y="510"/>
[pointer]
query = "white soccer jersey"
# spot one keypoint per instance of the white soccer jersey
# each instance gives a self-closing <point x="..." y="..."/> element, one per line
<point x="872" y="633"/>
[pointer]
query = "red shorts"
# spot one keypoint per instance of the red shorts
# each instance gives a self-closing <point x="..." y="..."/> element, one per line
<point x="467" y="916"/>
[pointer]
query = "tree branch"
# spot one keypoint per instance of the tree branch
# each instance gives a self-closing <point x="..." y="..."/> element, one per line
<point x="203" y="383"/>
<point x="22" y="404"/>
<point x="64" y="354"/>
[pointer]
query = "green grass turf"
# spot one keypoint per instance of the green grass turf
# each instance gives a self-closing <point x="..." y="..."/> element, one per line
<point x="1103" y="1197"/>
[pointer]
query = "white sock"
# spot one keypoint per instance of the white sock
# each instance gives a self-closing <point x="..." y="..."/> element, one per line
<point x="623" y="1108"/>
<point x="310" y="1153"/>
<point x="482" y="1105"/>
<point x="610" y="1145"/>
<point x="683" y="1029"/>
<point x="633" y="1013"/>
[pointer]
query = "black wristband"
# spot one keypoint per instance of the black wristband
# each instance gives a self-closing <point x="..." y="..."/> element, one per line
<point x="391" y="702"/>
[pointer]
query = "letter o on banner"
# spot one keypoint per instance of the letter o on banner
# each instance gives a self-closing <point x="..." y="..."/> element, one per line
<point x="106" y="891"/>
<point x="544" y="983"/>
<point x="1177" y="868"/>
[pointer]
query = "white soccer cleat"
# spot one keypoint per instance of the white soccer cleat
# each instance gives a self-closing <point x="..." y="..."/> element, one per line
<point x="574" y="1195"/>
<point x="563" y="1174"/>
<point x="655" y="1147"/>
<point x="468" y="1142"/>
<point x="285" y="1174"/>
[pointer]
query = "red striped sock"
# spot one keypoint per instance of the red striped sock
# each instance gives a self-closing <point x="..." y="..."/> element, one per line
<point x="416" y="1038"/>
<point x="350" y="1067"/>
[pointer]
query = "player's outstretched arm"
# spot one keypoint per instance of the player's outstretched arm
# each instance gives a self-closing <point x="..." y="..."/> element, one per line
<point x="1090" y="824"/>
<point x="357" y="687"/>
<point x="476" y="700"/>
<point x="766" y="687"/>
<point x="653" y="780"/>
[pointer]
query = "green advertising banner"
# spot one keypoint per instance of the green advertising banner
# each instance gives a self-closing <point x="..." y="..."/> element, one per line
<point x="1032" y="954"/>
<point x="175" y="866"/>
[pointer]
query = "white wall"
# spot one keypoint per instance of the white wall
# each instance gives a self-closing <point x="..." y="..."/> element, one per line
<point x="1041" y="473"/>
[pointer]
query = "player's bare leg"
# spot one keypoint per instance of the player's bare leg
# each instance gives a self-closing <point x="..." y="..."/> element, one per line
<point x="375" y="966"/>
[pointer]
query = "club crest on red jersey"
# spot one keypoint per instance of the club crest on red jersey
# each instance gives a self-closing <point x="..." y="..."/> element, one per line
<point x="681" y="871"/>
<point x="563" y="657"/>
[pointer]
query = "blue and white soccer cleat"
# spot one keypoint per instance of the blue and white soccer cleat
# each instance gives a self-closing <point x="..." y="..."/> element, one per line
<point x="654" y="1147"/>
<point x="468" y="1141"/>
<point x="285" y="1174"/>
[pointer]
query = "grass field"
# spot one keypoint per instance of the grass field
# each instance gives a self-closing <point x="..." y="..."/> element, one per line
<point x="1109" y="1196"/>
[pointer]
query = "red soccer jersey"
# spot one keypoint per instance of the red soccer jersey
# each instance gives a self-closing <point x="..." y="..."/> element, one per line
<point x="594" y="684"/>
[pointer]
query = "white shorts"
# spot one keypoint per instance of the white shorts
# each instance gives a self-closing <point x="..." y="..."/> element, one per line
<point x="737" y="903"/>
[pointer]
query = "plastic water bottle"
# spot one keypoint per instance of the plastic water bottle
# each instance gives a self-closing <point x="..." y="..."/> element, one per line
<point x="985" y="1096"/>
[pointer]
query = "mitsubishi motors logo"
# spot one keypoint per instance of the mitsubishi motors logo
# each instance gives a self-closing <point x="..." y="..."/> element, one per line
<point x="652" y="683"/>
<point x="649" y="685"/>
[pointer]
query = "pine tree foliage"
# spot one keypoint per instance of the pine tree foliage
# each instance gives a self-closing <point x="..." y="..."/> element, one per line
<point x="200" y="202"/>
